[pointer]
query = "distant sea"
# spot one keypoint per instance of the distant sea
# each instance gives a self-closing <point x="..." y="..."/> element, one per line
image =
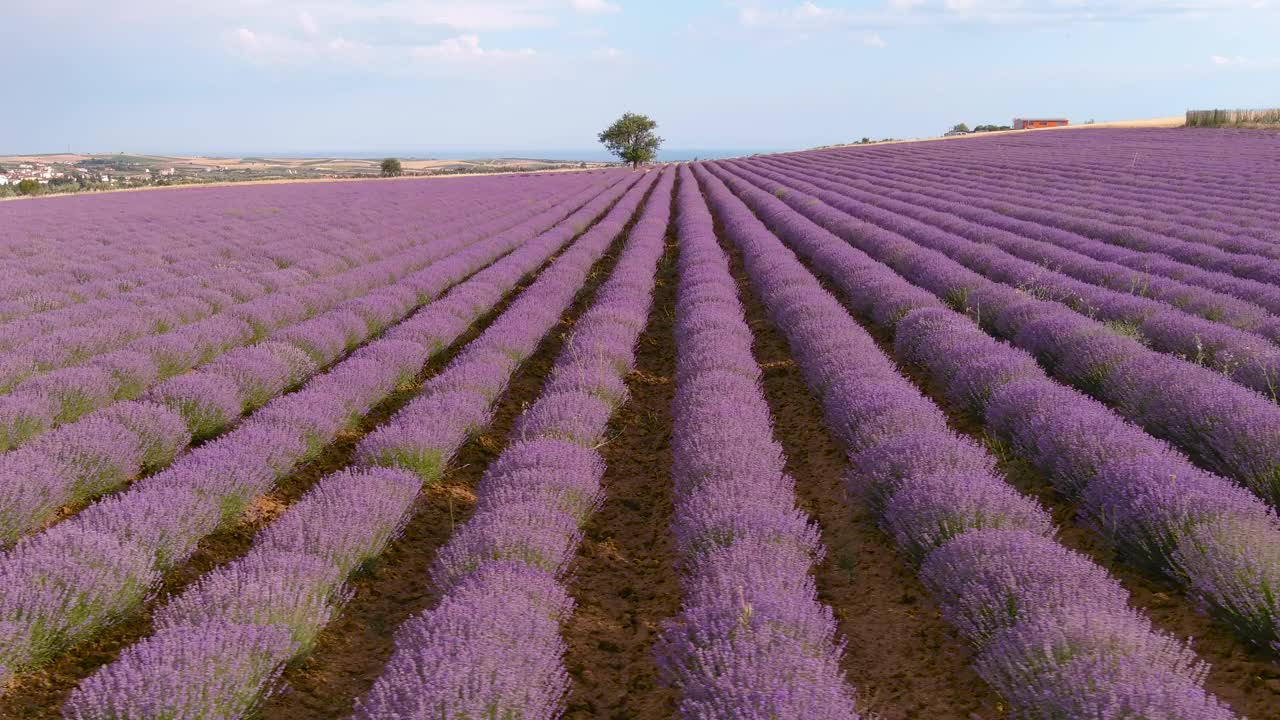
<point x="589" y="155"/>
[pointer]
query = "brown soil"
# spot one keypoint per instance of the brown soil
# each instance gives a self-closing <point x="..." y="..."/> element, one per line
<point x="902" y="657"/>
<point x="624" y="581"/>
<point x="1244" y="678"/>
<point x="352" y="651"/>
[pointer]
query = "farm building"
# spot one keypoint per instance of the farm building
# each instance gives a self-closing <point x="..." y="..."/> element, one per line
<point x="1030" y="123"/>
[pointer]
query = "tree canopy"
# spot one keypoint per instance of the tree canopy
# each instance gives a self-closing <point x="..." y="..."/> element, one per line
<point x="391" y="168"/>
<point x="632" y="139"/>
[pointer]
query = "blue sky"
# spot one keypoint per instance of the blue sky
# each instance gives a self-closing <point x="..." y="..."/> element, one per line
<point x="298" y="76"/>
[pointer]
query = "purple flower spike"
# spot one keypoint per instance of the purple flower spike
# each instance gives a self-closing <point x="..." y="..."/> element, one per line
<point x="492" y="647"/>
<point x="158" y="676"/>
<point x="574" y="416"/>
<point x="208" y="402"/>
<point x="77" y="390"/>
<point x="1098" y="664"/>
<point x="134" y="371"/>
<point x="161" y="431"/>
<point x="932" y="509"/>
<point x="257" y="373"/>
<point x="24" y="416"/>
<point x="93" y="456"/>
<point x="990" y="580"/>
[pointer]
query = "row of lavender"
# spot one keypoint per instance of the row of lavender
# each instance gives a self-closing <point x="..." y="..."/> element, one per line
<point x="1171" y="221"/>
<point x="1230" y="191"/>
<point x="1232" y="301"/>
<point x="221" y="644"/>
<point x="752" y="639"/>
<point x="235" y="268"/>
<point x="1253" y="360"/>
<point x="70" y="582"/>
<point x="492" y="646"/>
<point x="1053" y="631"/>
<point x="1222" y="426"/>
<point x="1219" y="229"/>
<point x="115" y="363"/>
<point x="115" y="445"/>
<point x="1064" y="241"/>
<point x="57" y="255"/>
<point x="1162" y="513"/>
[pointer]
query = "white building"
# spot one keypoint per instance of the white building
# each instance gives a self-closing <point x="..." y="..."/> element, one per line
<point x="4" y="179"/>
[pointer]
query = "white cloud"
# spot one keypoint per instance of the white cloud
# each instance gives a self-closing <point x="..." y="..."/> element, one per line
<point x="1241" y="60"/>
<point x="465" y="48"/>
<point x="809" y="16"/>
<point x="267" y="48"/>
<point x="606" y="53"/>
<point x="596" y="7"/>
<point x="308" y="22"/>
<point x="874" y="40"/>
<point x="806" y="13"/>
<point x="271" y="49"/>
<point x="461" y="15"/>
<point x="810" y="11"/>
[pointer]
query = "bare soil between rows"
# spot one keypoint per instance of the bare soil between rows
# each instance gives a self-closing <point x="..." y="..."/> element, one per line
<point x="904" y="660"/>
<point x="352" y="651"/>
<point x="1245" y="679"/>
<point x="625" y="581"/>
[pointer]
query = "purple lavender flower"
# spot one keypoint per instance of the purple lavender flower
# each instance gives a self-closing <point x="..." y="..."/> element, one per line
<point x="155" y="677"/>
<point x="77" y="391"/>
<point x="23" y="416"/>
<point x="93" y="456"/>
<point x="1095" y="664"/>
<point x="161" y="432"/>
<point x="491" y="647"/>
<point x="208" y="402"/>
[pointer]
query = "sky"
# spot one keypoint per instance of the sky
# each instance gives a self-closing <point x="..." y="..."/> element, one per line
<point x="467" y="77"/>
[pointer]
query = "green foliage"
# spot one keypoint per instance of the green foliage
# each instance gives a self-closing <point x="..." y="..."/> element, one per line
<point x="990" y="128"/>
<point x="28" y="187"/>
<point x="632" y="139"/>
<point x="960" y="128"/>
<point x="391" y="168"/>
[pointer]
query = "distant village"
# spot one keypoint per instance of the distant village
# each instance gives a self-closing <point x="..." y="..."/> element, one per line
<point x="35" y="177"/>
<point x="58" y="174"/>
<point x="45" y="174"/>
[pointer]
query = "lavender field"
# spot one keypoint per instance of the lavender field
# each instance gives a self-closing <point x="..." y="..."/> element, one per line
<point x="975" y="429"/>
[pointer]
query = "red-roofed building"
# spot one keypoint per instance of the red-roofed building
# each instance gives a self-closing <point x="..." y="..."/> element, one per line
<point x="1031" y="123"/>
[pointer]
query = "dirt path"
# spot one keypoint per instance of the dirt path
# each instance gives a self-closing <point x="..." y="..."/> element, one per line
<point x="353" y="649"/>
<point x="1245" y="679"/>
<point x="624" y="581"/>
<point x="901" y="656"/>
<point x="41" y="694"/>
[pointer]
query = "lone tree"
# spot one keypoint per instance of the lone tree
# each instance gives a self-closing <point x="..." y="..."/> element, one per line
<point x="959" y="128"/>
<point x="632" y="139"/>
<point x="391" y="168"/>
